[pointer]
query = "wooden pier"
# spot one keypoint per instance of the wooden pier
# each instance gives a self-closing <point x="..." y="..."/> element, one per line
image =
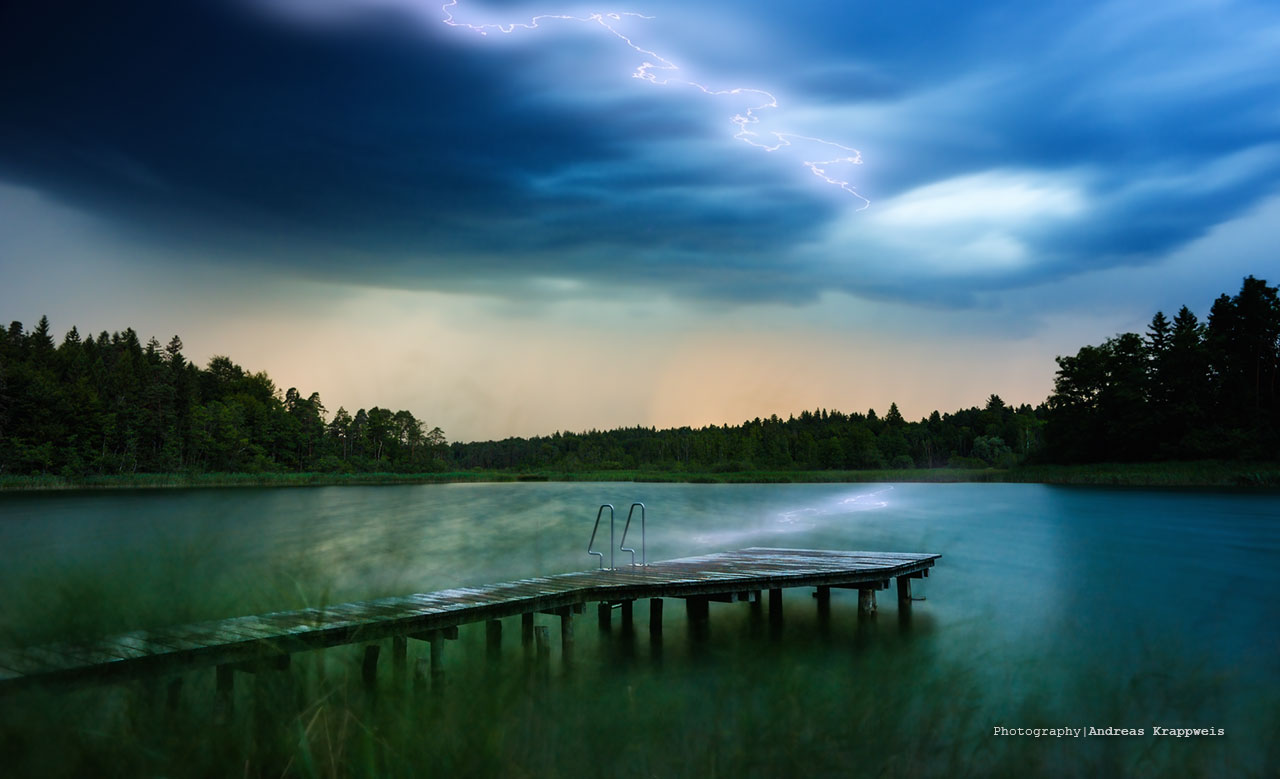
<point x="268" y="640"/>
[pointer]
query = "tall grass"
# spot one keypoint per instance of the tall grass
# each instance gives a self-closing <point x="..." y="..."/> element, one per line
<point x="838" y="698"/>
<point x="1203" y="473"/>
<point x="154" y="480"/>
<point x="1166" y="474"/>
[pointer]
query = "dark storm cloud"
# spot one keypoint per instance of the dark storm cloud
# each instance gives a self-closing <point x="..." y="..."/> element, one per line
<point x="390" y="149"/>
<point x="196" y="121"/>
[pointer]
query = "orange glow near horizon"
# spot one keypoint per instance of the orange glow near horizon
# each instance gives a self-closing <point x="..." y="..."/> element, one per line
<point x="482" y="378"/>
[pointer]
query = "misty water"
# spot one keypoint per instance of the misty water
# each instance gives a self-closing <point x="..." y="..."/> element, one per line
<point x="1051" y="606"/>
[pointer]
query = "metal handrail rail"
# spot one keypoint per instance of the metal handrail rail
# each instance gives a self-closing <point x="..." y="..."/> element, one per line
<point x="644" y="559"/>
<point x="592" y="542"/>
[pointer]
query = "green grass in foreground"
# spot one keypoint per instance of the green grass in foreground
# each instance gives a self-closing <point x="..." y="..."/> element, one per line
<point x="866" y="704"/>
<point x="1209" y="473"/>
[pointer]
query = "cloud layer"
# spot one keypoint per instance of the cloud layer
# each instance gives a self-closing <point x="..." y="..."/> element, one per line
<point x="1004" y="144"/>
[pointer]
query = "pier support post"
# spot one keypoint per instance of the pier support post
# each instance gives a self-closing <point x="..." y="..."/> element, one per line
<point x="526" y="631"/>
<point x="866" y="602"/>
<point x="542" y="638"/>
<point x="823" y="596"/>
<point x="655" y="616"/>
<point x="369" y="668"/>
<point x="605" y="613"/>
<point x="436" y="640"/>
<point x="420" y="668"/>
<point x="627" y="646"/>
<point x="904" y="603"/>
<point x="698" y="609"/>
<point x="904" y="592"/>
<point x="493" y="639"/>
<point x="775" y="607"/>
<point x="399" y="656"/>
<point x="566" y="635"/>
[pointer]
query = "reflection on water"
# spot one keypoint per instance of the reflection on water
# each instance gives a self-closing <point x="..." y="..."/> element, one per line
<point x="1091" y="606"/>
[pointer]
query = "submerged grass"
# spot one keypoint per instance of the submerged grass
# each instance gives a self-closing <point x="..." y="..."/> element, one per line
<point x="1206" y="473"/>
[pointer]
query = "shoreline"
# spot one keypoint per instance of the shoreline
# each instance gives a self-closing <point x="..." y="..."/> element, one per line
<point x="1200" y="474"/>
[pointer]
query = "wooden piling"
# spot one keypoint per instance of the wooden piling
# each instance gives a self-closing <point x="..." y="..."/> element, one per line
<point x="866" y="602"/>
<point x="904" y="592"/>
<point x="493" y="639"/>
<point x="566" y="635"/>
<point x="698" y="609"/>
<point x="399" y="656"/>
<point x="526" y="630"/>
<point x="369" y="668"/>
<point x="542" y="638"/>
<point x="627" y="609"/>
<point x="775" y="606"/>
<point x="436" y="640"/>
<point x="655" y="616"/>
<point x="604" y="611"/>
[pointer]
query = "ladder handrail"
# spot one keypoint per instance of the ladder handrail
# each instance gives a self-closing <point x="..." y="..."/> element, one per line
<point x="592" y="542"/>
<point x="644" y="559"/>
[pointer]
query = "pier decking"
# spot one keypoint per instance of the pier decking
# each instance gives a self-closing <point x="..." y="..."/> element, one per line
<point x="268" y="639"/>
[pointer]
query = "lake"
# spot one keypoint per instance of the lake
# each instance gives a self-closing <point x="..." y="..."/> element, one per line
<point x="1052" y="607"/>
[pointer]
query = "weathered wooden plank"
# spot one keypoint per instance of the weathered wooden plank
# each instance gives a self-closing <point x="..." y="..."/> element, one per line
<point x="265" y="628"/>
<point x="114" y="647"/>
<point x="209" y="633"/>
<point x="143" y="641"/>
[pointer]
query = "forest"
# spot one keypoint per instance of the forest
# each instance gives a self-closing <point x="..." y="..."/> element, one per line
<point x="110" y="404"/>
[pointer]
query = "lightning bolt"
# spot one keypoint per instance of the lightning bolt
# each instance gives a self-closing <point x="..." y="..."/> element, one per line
<point x="660" y="71"/>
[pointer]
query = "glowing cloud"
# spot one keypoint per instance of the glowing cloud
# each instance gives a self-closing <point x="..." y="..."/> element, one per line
<point x="993" y="197"/>
<point x="660" y="71"/>
<point x="982" y="224"/>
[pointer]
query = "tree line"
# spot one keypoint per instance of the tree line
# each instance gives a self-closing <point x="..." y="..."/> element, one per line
<point x="1185" y="389"/>
<point x="110" y="405"/>
<point x="815" y="440"/>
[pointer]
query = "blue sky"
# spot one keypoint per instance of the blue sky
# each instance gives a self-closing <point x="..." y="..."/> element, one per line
<point x="1038" y="176"/>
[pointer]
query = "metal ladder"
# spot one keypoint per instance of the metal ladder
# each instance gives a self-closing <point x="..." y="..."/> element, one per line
<point x="644" y="560"/>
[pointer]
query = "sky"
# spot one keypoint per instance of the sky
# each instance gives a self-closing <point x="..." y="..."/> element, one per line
<point x="513" y="218"/>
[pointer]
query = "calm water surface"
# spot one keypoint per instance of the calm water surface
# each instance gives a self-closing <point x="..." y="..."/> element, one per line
<point x="1058" y="606"/>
